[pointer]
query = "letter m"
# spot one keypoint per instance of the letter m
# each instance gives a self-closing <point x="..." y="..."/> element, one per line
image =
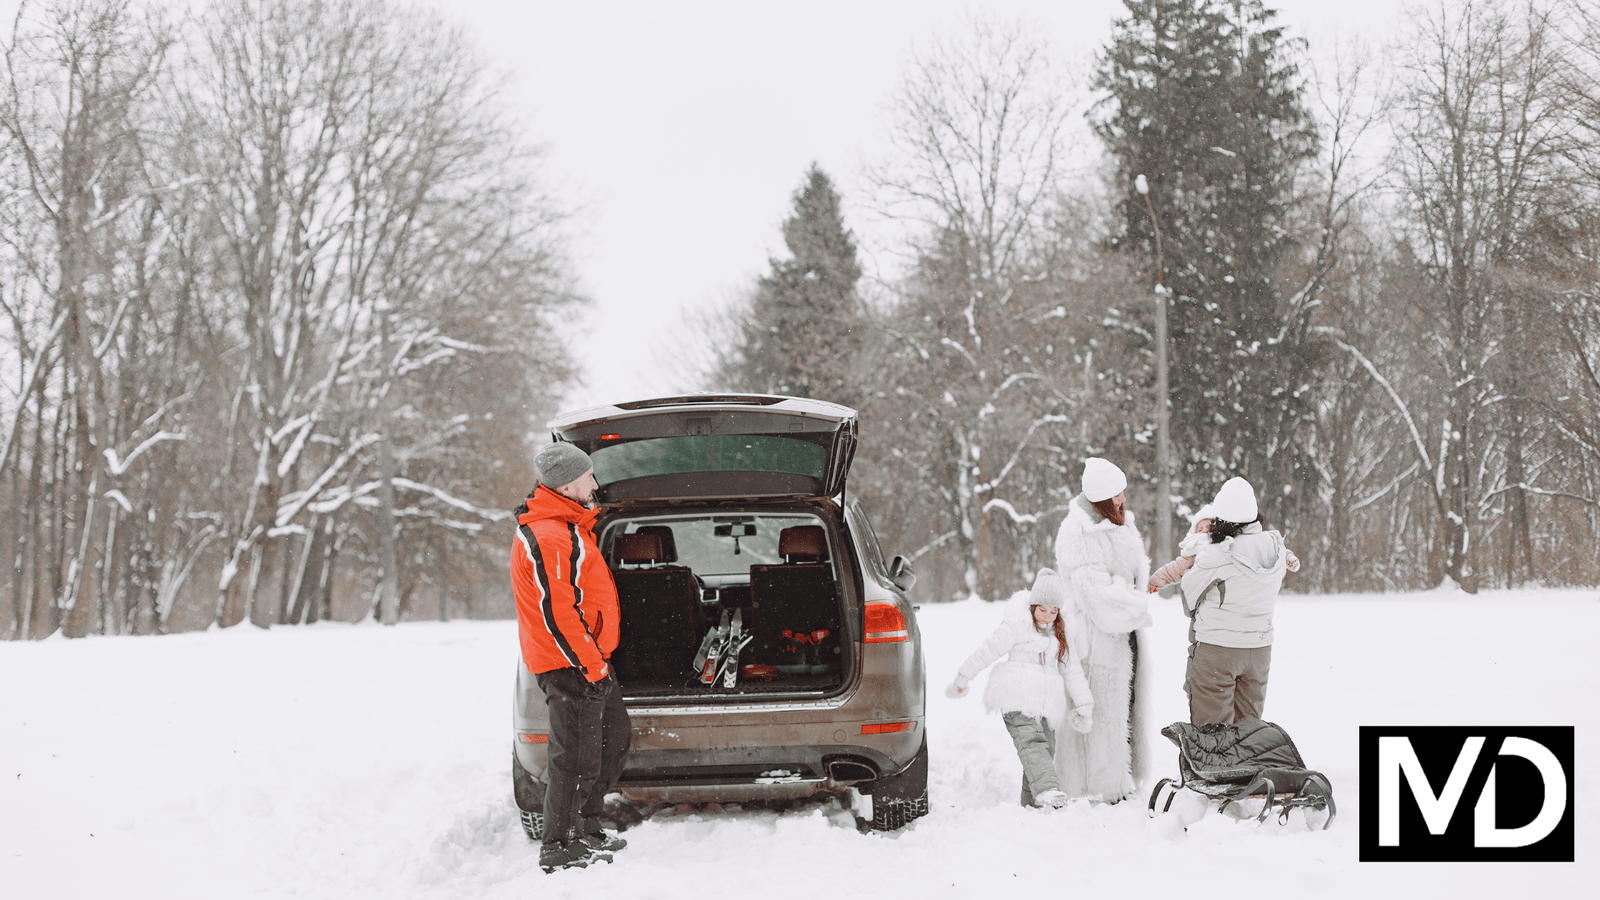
<point x="1397" y="758"/>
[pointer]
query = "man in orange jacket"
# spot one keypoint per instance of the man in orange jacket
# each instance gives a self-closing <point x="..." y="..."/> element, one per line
<point x="567" y="618"/>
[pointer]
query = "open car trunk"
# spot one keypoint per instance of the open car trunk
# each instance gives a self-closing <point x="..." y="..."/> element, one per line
<point x="765" y="579"/>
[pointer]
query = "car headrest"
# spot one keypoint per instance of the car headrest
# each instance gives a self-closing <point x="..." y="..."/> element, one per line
<point x="637" y="549"/>
<point x="669" y="547"/>
<point x="803" y="543"/>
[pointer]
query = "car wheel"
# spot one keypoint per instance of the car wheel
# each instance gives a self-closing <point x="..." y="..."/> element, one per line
<point x="899" y="799"/>
<point x="529" y="793"/>
<point x="533" y="825"/>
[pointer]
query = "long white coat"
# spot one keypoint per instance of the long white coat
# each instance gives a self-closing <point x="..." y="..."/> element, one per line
<point x="1106" y="567"/>
<point x="1030" y="680"/>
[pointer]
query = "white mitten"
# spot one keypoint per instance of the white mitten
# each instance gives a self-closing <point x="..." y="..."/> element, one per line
<point x="956" y="689"/>
<point x="1081" y="721"/>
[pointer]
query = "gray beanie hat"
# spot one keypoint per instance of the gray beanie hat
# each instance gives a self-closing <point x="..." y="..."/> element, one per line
<point x="560" y="464"/>
<point x="1049" y="589"/>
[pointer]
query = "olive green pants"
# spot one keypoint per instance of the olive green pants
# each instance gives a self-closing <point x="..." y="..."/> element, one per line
<point x="1226" y="684"/>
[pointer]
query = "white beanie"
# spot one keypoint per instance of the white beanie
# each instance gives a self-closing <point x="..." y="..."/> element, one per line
<point x="1236" y="501"/>
<point x="1049" y="589"/>
<point x="1102" y="480"/>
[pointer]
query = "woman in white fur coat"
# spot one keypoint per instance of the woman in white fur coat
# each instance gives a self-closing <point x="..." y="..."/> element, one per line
<point x="1032" y="686"/>
<point x="1100" y="553"/>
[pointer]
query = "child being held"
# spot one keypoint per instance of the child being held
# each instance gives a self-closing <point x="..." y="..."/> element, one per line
<point x="1199" y="536"/>
<point x="1030" y="688"/>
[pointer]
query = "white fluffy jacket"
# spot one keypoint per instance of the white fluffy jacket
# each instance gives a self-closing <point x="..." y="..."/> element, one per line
<point x="1107" y="568"/>
<point x="1030" y="679"/>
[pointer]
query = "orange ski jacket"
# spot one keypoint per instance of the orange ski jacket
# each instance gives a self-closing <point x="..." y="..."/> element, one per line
<point x="567" y="614"/>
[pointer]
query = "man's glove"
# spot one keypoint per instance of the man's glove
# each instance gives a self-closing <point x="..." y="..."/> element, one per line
<point x="957" y="688"/>
<point x="1081" y="722"/>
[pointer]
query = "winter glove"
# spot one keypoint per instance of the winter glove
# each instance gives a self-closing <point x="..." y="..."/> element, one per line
<point x="1081" y="721"/>
<point x="956" y="689"/>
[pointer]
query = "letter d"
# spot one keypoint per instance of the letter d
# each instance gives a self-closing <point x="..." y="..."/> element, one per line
<point x="1485" y="834"/>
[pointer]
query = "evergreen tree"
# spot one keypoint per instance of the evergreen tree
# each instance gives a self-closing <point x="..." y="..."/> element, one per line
<point x="1205" y="103"/>
<point x="801" y="335"/>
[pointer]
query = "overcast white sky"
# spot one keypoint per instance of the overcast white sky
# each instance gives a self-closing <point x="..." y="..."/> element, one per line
<point x="684" y="128"/>
<point x="680" y="130"/>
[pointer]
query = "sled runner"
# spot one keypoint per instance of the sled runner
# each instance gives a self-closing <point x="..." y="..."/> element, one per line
<point x="1250" y="758"/>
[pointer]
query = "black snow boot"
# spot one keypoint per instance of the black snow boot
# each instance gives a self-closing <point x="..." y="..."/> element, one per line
<point x="596" y="837"/>
<point x="570" y="855"/>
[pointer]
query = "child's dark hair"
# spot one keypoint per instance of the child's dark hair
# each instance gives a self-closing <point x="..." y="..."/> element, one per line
<point x="1059" y="630"/>
<point x="1222" y="529"/>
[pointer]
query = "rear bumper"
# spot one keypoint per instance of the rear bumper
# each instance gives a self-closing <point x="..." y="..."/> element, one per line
<point x="729" y="762"/>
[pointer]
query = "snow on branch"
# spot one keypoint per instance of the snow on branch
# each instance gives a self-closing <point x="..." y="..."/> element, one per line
<point x="1545" y="493"/>
<point x="118" y="466"/>
<point x="1400" y="405"/>
<point x="455" y="344"/>
<point x="961" y="350"/>
<point x="292" y="507"/>
<point x="1019" y="518"/>
<point x="493" y="515"/>
<point x="1391" y="486"/>
<point x="1017" y="454"/>
<point x="932" y="545"/>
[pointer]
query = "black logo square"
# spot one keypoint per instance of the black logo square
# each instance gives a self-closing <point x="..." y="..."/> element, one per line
<point x="1467" y="793"/>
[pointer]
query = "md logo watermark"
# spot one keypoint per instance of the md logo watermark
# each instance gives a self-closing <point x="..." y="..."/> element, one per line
<point x="1464" y="794"/>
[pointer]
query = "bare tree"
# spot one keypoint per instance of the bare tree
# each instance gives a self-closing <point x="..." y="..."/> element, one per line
<point x="77" y="73"/>
<point x="1479" y="164"/>
<point x="980" y="131"/>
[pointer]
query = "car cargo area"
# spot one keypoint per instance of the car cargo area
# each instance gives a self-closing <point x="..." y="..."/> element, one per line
<point x="693" y="590"/>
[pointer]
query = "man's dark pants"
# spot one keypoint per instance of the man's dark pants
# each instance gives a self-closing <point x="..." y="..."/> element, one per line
<point x="589" y="739"/>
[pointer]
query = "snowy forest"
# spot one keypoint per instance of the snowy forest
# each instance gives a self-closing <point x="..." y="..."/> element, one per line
<point x="1379" y="277"/>
<point x="278" y="278"/>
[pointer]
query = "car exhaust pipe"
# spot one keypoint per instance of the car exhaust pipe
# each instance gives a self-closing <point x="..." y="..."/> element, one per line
<point x="845" y="772"/>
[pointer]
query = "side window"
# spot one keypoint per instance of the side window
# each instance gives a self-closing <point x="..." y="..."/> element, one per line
<point x="869" y="540"/>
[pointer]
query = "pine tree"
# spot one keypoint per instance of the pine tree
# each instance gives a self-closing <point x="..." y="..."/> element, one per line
<point x="801" y="335"/>
<point x="1205" y="103"/>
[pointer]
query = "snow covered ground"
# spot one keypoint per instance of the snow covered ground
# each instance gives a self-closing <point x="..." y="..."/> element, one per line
<point x="359" y="761"/>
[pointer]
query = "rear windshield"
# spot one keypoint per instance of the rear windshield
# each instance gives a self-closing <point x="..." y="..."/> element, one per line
<point x="727" y="545"/>
<point x="806" y="456"/>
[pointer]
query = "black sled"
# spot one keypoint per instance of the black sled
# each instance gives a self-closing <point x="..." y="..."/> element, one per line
<point x="1249" y="758"/>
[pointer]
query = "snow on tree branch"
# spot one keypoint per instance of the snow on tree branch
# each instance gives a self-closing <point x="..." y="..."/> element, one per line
<point x="118" y="466"/>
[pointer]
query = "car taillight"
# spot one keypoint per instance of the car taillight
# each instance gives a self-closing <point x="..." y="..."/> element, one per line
<point x="886" y="624"/>
<point x="887" y="727"/>
<point x="536" y="738"/>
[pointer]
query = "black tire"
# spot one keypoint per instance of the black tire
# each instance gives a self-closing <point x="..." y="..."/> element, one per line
<point x="529" y="794"/>
<point x="533" y="825"/>
<point x="900" y="799"/>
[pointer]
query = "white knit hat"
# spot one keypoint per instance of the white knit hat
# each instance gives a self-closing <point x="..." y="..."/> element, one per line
<point x="1049" y="589"/>
<point x="1102" y="480"/>
<point x="1236" y="501"/>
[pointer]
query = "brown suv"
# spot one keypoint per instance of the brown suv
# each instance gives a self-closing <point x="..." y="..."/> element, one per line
<point x="727" y="525"/>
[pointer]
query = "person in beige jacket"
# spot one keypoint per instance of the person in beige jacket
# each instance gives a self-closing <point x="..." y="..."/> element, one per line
<point x="1230" y="593"/>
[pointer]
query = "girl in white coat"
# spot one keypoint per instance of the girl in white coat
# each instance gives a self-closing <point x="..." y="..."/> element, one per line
<point x="1032" y="686"/>
<point x="1100" y="554"/>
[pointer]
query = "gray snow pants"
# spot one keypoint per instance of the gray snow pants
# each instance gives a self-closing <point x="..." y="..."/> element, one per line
<point x="1035" y="738"/>
<point x="590" y="735"/>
